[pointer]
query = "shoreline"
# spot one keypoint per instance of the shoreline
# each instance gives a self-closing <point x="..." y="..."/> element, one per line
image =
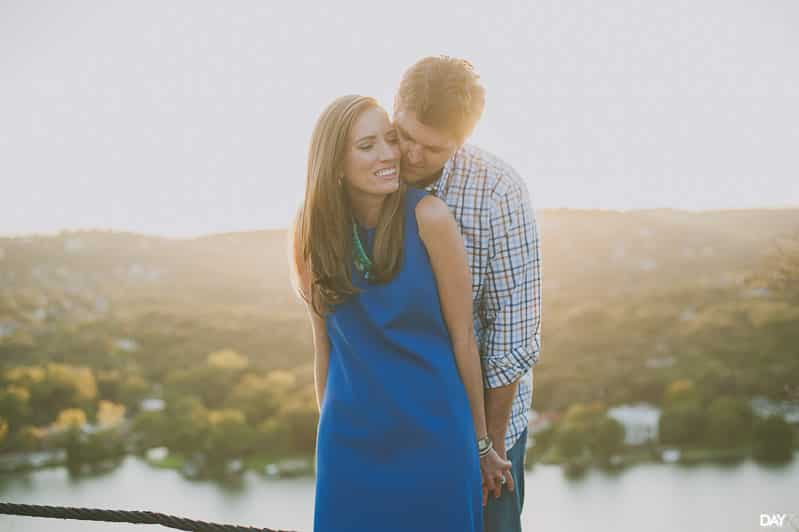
<point x="295" y="465"/>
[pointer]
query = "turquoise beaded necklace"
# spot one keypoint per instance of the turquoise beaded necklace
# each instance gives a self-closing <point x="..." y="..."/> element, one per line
<point x="362" y="261"/>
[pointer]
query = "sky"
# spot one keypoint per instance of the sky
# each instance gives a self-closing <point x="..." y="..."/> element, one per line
<point x="193" y="117"/>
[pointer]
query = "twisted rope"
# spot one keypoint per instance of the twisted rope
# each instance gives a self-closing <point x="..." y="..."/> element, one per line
<point x="124" y="516"/>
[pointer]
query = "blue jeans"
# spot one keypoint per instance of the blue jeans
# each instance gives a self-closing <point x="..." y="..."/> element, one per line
<point x="505" y="513"/>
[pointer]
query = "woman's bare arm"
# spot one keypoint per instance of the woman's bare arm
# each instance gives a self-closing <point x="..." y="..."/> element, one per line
<point x="321" y="347"/>
<point x="447" y="252"/>
<point x="445" y="246"/>
<point x="301" y="279"/>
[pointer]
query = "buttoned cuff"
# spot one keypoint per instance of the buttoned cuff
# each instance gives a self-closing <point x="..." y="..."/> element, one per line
<point x="507" y="368"/>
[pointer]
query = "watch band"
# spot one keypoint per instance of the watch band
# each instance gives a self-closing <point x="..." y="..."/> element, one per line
<point x="484" y="445"/>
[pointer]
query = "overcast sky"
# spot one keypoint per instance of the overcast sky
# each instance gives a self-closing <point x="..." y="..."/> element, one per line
<point x="186" y="118"/>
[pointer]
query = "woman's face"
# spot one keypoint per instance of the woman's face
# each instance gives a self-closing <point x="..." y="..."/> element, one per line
<point x="371" y="162"/>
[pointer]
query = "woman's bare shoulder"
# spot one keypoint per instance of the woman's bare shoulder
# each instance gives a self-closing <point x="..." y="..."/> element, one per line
<point x="432" y="215"/>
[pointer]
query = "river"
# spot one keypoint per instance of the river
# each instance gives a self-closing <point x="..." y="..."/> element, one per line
<point x="649" y="497"/>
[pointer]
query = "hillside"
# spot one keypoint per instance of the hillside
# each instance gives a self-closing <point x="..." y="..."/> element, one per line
<point x="621" y="289"/>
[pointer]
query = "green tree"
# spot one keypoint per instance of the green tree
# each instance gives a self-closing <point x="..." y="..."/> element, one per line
<point x="150" y="429"/>
<point x="608" y="438"/>
<point x="586" y="428"/>
<point x="715" y="379"/>
<point x="729" y="422"/>
<point x="782" y="272"/>
<point x="542" y="441"/>
<point x="15" y="404"/>
<point x="272" y="436"/>
<point x="583" y="415"/>
<point x="772" y="440"/>
<point x="90" y="448"/>
<point x="54" y="388"/>
<point x="228" y="436"/>
<point x="301" y="418"/>
<point x="682" y="390"/>
<point x="571" y="442"/>
<point x="70" y="418"/>
<point x="132" y="389"/>
<point x="682" y="424"/>
<point x="109" y="383"/>
<point x="227" y="359"/>
<point x="80" y="379"/>
<point x="188" y="424"/>
<point x="211" y="384"/>
<point x="27" y="439"/>
<point x="259" y="396"/>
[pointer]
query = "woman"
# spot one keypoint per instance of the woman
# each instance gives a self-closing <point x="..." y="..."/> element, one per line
<point x="383" y="271"/>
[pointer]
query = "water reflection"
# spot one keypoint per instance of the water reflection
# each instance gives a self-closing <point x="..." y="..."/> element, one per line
<point x="651" y="497"/>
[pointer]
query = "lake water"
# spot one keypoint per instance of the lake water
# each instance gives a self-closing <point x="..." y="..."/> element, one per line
<point x="650" y="498"/>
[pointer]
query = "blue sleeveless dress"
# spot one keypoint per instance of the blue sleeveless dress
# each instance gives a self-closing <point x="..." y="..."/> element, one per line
<point x="396" y="448"/>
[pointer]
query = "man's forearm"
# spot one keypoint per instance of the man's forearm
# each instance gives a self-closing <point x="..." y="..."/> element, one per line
<point x="498" y="405"/>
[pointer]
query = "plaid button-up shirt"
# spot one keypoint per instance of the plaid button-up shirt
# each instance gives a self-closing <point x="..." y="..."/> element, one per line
<point x="491" y="204"/>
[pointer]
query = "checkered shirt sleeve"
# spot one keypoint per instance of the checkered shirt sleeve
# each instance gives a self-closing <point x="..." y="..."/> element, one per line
<point x="511" y="304"/>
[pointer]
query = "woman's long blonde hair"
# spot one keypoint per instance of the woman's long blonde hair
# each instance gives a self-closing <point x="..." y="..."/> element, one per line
<point x="321" y="238"/>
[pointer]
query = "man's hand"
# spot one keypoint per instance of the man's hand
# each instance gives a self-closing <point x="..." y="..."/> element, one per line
<point x="493" y="467"/>
<point x="499" y="402"/>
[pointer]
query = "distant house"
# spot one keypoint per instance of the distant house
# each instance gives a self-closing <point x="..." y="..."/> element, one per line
<point x="151" y="405"/>
<point x="157" y="454"/>
<point x="290" y="467"/>
<point x="126" y="344"/>
<point x="670" y="456"/>
<point x="640" y="422"/>
<point x="91" y="428"/>
<point x="764" y="407"/>
<point x="235" y="466"/>
<point x="660" y="362"/>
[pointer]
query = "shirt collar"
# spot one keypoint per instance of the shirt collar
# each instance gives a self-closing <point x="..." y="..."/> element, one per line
<point x="439" y="187"/>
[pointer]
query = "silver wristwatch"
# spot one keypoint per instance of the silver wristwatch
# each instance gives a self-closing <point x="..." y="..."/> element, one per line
<point x="484" y="445"/>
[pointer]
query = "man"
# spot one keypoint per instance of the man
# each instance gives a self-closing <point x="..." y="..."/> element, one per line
<point x="438" y="103"/>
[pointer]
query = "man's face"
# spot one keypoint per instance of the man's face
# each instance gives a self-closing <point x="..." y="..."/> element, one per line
<point x="424" y="148"/>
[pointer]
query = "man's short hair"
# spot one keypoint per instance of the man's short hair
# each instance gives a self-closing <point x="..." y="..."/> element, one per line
<point x="445" y="93"/>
